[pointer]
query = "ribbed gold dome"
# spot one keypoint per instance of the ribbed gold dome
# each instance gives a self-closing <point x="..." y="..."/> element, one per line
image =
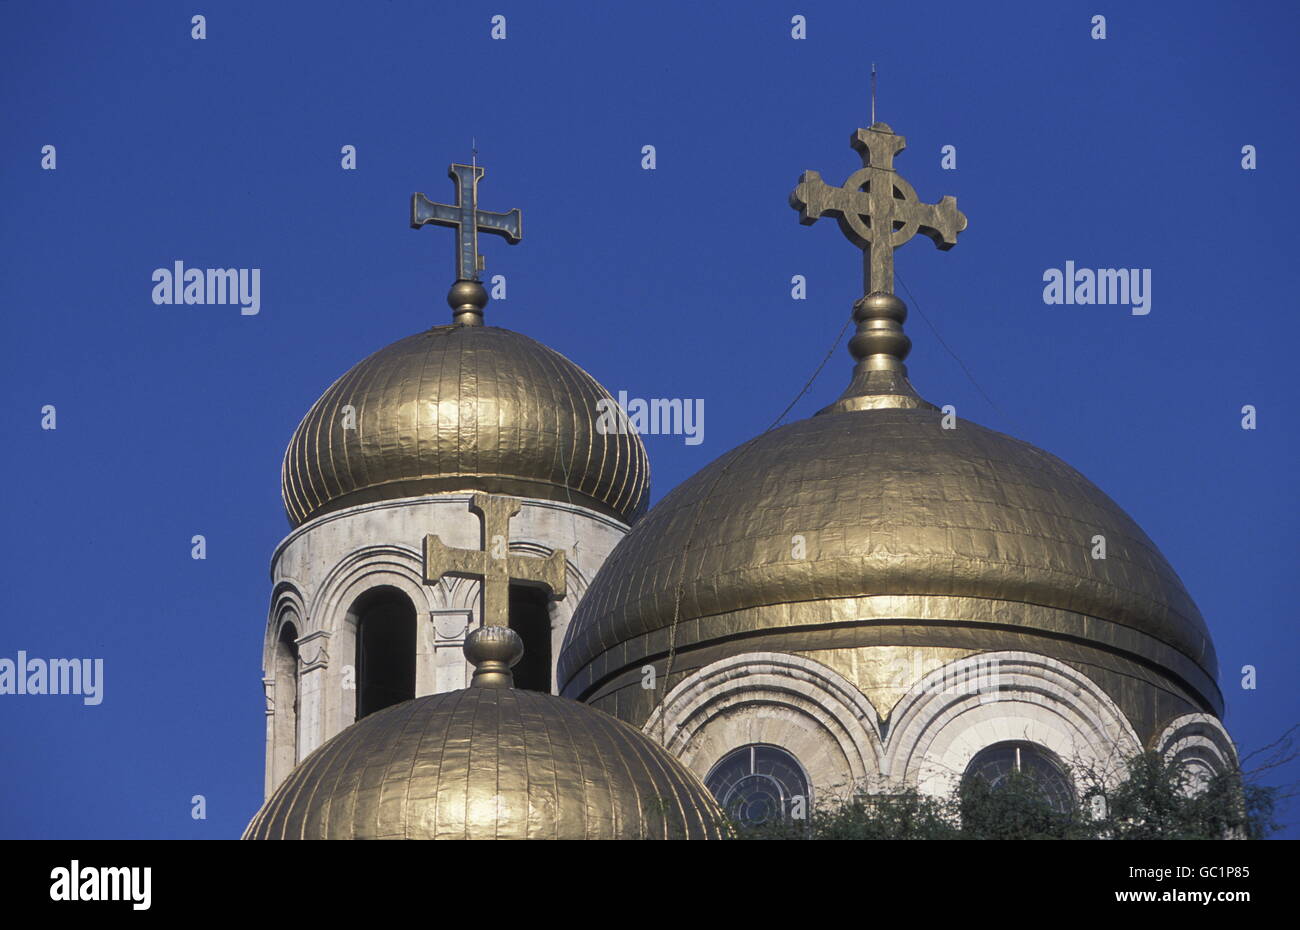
<point x="489" y="763"/>
<point x="460" y="408"/>
<point x="870" y="527"/>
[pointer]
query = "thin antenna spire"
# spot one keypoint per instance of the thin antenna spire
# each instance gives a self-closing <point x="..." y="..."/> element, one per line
<point x="873" y="93"/>
<point x="473" y="151"/>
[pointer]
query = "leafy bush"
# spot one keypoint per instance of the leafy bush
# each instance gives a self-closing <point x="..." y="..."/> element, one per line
<point x="1154" y="800"/>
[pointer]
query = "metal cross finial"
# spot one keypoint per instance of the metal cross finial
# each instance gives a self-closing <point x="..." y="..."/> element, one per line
<point x="493" y="565"/>
<point x="877" y="210"/>
<point x="873" y="93"/>
<point x="468" y="220"/>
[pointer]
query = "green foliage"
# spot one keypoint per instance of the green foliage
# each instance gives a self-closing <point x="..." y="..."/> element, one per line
<point x="1156" y="800"/>
<point x="907" y="815"/>
<point x="1161" y="800"/>
<point x="1017" y="809"/>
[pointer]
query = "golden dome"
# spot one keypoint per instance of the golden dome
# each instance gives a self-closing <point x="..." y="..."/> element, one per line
<point x="863" y="527"/>
<point x="489" y="763"/>
<point x="460" y="408"/>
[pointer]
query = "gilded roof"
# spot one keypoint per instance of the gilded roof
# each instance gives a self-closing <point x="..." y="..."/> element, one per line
<point x="458" y="408"/>
<point x="877" y="502"/>
<point x="489" y="763"/>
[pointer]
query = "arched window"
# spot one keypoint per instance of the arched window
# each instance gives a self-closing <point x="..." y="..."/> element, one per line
<point x="385" y="637"/>
<point x="996" y="764"/>
<point x="757" y="784"/>
<point x="530" y="617"/>
<point x="285" y="723"/>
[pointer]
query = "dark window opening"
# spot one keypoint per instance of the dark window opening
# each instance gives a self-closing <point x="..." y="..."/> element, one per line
<point x="385" y="650"/>
<point x="1001" y="763"/>
<point x="530" y="617"/>
<point x="760" y="784"/>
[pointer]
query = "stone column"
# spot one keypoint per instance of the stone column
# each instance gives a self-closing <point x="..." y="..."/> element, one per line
<point x="442" y="662"/>
<point x="314" y="663"/>
<point x="270" y="781"/>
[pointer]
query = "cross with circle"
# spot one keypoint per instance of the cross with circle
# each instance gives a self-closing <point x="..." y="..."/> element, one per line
<point x="875" y="199"/>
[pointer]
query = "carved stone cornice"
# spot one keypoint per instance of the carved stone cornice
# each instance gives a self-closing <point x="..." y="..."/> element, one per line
<point x="313" y="652"/>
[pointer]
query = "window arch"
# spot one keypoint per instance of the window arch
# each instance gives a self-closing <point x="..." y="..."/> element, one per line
<point x="384" y="620"/>
<point x="999" y="763"/>
<point x="758" y="784"/>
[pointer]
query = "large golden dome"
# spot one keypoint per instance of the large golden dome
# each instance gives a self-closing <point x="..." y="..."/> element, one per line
<point x="489" y="763"/>
<point x="459" y="408"/>
<point x="863" y="527"/>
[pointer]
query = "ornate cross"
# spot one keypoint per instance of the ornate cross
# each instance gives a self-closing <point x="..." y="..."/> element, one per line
<point x="874" y="200"/>
<point x="467" y="219"/>
<point x="493" y="564"/>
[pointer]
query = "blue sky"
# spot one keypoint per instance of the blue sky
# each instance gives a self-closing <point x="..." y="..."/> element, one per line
<point x="675" y="282"/>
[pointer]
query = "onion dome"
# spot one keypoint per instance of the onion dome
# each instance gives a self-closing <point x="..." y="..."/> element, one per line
<point x="879" y="526"/>
<point x="463" y="407"/>
<point x="882" y="522"/>
<point x="489" y="762"/>
<point x="873" y="524"/>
